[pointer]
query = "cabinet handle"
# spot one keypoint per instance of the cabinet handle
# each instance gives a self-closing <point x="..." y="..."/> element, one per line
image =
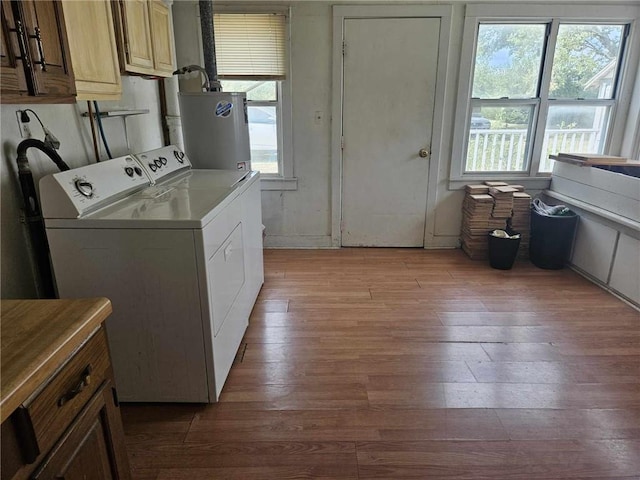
<point x="85" y="380"/>
<point x="37" y="35"/>
<point x="22" y="43"/>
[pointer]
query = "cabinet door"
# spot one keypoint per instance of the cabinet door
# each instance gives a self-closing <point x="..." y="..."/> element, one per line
<point x="137" y="36"/>
<point x="51" y="72"/>
<point x="92" y="447"/>
<point x="162" y="36"/>
<point x="92" y="44"/>
<point x="13" y="81"/>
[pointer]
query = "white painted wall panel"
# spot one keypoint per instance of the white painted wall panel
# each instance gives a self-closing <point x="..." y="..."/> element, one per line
<point x="593" y="248"/>
<point x="608" y="190"/>
<point x="449" y="212"/>
<point x="625" y="276"/>
<point x="302" y="218"/>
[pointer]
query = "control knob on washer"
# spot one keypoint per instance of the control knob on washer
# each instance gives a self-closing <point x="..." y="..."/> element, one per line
<point x="84" y="187"/>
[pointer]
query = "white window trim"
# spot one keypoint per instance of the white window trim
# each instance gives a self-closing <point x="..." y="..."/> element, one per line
<point x="286" y="179"/>
<point x="476" y="13"/>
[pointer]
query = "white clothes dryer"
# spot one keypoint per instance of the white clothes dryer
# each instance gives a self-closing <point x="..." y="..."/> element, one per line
<point x="178" y="252"/>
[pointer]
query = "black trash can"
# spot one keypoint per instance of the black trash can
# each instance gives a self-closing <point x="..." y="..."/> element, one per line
<point x="503" y="251"/>
<point x="551" y="239"/>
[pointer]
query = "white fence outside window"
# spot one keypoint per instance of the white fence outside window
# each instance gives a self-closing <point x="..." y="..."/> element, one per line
<point x="506" y="150"/>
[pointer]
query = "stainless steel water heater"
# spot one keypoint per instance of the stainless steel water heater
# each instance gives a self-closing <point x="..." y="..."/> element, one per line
<point x="215" y="127"/>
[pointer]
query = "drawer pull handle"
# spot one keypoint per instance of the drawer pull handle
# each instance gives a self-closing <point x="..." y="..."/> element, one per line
<point x="85" y="380"/>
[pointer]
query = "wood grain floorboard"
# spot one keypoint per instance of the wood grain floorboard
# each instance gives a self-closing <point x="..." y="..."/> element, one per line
<point x="575" y="424"/>
<point x="556" y="372"/>
<point x="145" y="473"/>
<point x="406" y="363"/>
<point x="513" y="460"/>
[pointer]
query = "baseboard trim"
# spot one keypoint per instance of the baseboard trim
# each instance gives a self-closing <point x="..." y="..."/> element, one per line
<point x="448" y="241"/>
<point x="298" y="241"/>
<point x="604" y="286"/>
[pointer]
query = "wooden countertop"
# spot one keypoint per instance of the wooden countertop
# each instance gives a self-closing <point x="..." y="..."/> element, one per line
<point x="37" y="336"/>
<point x="592" y="162"/>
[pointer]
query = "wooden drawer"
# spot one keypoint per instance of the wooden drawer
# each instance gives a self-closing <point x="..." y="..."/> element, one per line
<point x="87" y="449"/>
<point x="53" y="408"/>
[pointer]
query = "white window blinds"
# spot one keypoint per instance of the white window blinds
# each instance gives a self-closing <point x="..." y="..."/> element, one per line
<point x="250" y="46"/>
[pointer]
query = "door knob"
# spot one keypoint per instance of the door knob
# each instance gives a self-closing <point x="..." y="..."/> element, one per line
<point x="424" y="153"/>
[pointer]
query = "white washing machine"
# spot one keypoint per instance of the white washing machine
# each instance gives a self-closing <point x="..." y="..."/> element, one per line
<point x="178" y="251"/>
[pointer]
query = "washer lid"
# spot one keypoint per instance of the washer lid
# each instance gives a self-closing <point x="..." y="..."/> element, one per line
<point x="80" y="191"/>
<point x="190" y="200"/>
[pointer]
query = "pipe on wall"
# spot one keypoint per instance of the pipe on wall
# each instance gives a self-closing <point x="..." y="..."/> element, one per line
<point x="208" y="41"/>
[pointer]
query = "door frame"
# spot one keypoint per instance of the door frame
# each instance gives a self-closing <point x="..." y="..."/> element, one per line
<point x="340" y="14"/>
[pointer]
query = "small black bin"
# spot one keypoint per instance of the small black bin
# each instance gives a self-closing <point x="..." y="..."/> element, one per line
<point x="503" y="251"/>
<point x="551" y="239"/>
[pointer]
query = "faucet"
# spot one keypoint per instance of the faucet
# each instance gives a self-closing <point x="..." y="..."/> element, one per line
<point x="197" y="68"/>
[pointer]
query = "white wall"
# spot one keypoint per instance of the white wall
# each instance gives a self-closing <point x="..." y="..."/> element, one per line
<point x="302" y="218"/>
<point x="144" y="132"/>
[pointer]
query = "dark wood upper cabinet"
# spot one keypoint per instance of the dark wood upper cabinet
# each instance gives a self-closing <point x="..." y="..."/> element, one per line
<point x="11" y="69"/>
<point x="36" y="48"/>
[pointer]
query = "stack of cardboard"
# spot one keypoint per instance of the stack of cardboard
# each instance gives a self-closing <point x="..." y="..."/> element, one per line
<point x="503" y="201"/>
<point x="477" y="221"/>
<point x="476" y="189"/>
<point x="492" y="206"/>
<point x="496" y="184"/>
<point x="521" y="221"/>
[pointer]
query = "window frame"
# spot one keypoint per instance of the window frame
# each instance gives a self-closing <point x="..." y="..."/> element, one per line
<point x="279" y="140"/>
<point x="553" y="16"/>
<point x="285" y="179"/>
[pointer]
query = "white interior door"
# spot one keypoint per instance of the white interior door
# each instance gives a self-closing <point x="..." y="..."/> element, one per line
<point x="389" y="68"/>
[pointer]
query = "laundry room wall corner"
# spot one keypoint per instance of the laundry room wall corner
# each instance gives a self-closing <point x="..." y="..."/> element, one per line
<point x="135" y="134"/>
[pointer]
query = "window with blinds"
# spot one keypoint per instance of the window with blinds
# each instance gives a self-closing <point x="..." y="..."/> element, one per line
<point x="250" y="46"/>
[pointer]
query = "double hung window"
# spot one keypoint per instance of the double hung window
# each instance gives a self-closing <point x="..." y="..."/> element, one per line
<point x="251" y="53"/>
<point x="535" y="88"/>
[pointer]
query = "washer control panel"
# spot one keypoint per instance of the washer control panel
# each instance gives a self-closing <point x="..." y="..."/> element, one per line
<point x="77" y="192"/>
<point x="163" y="162"/>
<point x="84" y="187"/>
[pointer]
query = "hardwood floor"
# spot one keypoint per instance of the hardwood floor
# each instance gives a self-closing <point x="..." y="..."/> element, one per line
<point x="393" y="363"/>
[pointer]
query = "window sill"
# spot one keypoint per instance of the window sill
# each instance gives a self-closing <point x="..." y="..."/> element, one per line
<point x="529" y="183"/>
<point x="278" y="183"/>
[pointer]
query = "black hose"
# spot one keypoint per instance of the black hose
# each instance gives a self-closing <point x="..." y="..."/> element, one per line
<point x="102" y="135"/>
<point x="33" y="214"/>
<point x="24" y="145"/>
